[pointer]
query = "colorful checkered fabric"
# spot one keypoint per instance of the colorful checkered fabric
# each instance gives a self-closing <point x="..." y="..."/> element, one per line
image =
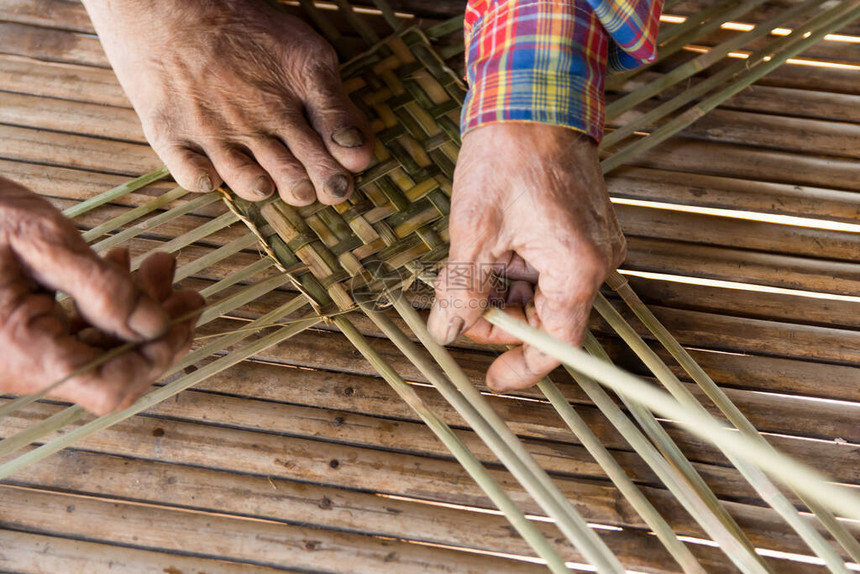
<point x="545" y="61"/>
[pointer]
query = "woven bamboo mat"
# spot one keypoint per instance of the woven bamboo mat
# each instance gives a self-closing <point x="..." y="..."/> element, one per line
<point x="337" y="469"/>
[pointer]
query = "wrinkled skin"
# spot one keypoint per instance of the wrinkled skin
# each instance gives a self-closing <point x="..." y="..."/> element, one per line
<point x="236" y="91"/>
<point x="530" y="199"/>
<point x="42" y="341"/>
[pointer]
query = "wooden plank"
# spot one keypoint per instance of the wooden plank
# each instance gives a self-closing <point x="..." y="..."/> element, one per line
<point x="26" y="552"/>
<point x="378" y="471"/>
<point x="74" y="82"/>
<point x="802" y="273"/>
<point x="799" y="103"/>
<point x="773" y="306"/>
<point x="213" y="536"/>
<point x="730" y="160"/>
<point x="273" y="498"/>
<point x="740" y="233"/>
<point x="80" y="152"/>
<point x="728" y="193"/>
<point x="51" y="45"/>
<point x="80" y="118"/>
<point x="59" y="14"/>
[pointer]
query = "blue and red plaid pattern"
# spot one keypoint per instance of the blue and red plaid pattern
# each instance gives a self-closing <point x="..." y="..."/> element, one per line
<point x="545" y="61"/>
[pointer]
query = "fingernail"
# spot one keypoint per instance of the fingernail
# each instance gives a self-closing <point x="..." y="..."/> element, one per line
<point x="304" y="190"/>
<point x="455" y="327"/>
<point x="348" y="137"/>
<point x="262" y="187"/>
<point x="337" y="186"/>
<point x="148" y="320"/>
<point x="204" y="184"/>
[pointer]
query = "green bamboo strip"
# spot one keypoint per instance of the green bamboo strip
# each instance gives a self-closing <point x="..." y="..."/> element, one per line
<point x="789" y="471"/>
<point x="677" y="43"/>
<point x="134" y="214"/>
<point x="631" y="492"/>
<point x="849" y="12"/>
<point x="709" y="58"/>
<point x="666" y="34"/>
<point x="245" y="296"/>
<point x="689" y="29"/>
<point x="444" y="28"/>
<point x="788" y="43"/>
<point x="367" y="34"/>
<point x="223" y="252"/>
<point x="388" y="14"/>
<point x="146" y="225"/>
<point x="154" y="397"/>
<point x="762" y="484"/>
<point x="666" y="445"/>
<point x="460" y="451"/>
<point x="322" y="23"/>
<point x="116" y="193"/>
<point x="618" y="283"/>
<point x="673" y="469"/>
<point x="188" y="238"/>
<point x="473" y="407"/>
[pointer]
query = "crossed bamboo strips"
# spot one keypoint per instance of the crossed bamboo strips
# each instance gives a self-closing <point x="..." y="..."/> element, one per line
<point x="394" y="231"/>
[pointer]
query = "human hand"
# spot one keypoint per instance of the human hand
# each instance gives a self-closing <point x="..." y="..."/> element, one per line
<point x="238" y="91"/>
<point x="42" y="342"/>
<point x="529" y="205"/>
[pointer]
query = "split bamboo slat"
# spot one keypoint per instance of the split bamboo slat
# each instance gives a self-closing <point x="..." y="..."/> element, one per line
<point x="289" y="446"/>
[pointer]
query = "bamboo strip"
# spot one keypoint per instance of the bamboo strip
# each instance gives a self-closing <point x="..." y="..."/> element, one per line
<point x="190" y="237"/>
<point x="835" y="19"/>
<point x="475" y="469"/>
<point x="688" y="30"/>
<point x="148" y="224"/>
<point x="223" y="252"/>
<point x="728" y="408"/>
<point x="492" y="429"/>
<point x="682" y="480"/>
<point x="711" y="57"/>
<point x="794" y="474"/>
<point x="40" y="429"/>
<point x="154" y="397"/>
<point x="631" y="492"/>
<point x="116" y="192"/>
<point x="766" y="489"/>
<point x="789" y="42"/>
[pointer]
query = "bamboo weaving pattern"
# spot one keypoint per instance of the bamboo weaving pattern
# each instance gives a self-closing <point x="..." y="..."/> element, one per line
<point x="359" y="259"/>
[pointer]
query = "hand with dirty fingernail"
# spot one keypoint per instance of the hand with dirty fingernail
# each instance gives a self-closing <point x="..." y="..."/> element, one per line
<point x="236" y="92"/>
<point x="43" y="341"/>
<point x="529" y="206"/>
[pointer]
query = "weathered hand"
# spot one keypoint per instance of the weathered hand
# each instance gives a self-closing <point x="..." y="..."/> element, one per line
<point x="41" y="341"/>
<point x="530" y="205"/>
<point x="235" y="90"/>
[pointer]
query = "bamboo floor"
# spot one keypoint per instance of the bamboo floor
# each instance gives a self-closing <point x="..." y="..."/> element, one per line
<point x="301" y="458"/>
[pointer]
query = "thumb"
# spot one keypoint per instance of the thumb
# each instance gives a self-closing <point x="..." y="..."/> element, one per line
<point x="54" y="254"/>
<point x="462" y="290"/>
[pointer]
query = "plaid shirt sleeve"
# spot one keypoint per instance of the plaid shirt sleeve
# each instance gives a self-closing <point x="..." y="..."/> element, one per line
<point x="546" y="60"/>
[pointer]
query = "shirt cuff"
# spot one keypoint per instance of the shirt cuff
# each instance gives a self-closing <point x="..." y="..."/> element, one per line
<point x="535" y="61"/>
